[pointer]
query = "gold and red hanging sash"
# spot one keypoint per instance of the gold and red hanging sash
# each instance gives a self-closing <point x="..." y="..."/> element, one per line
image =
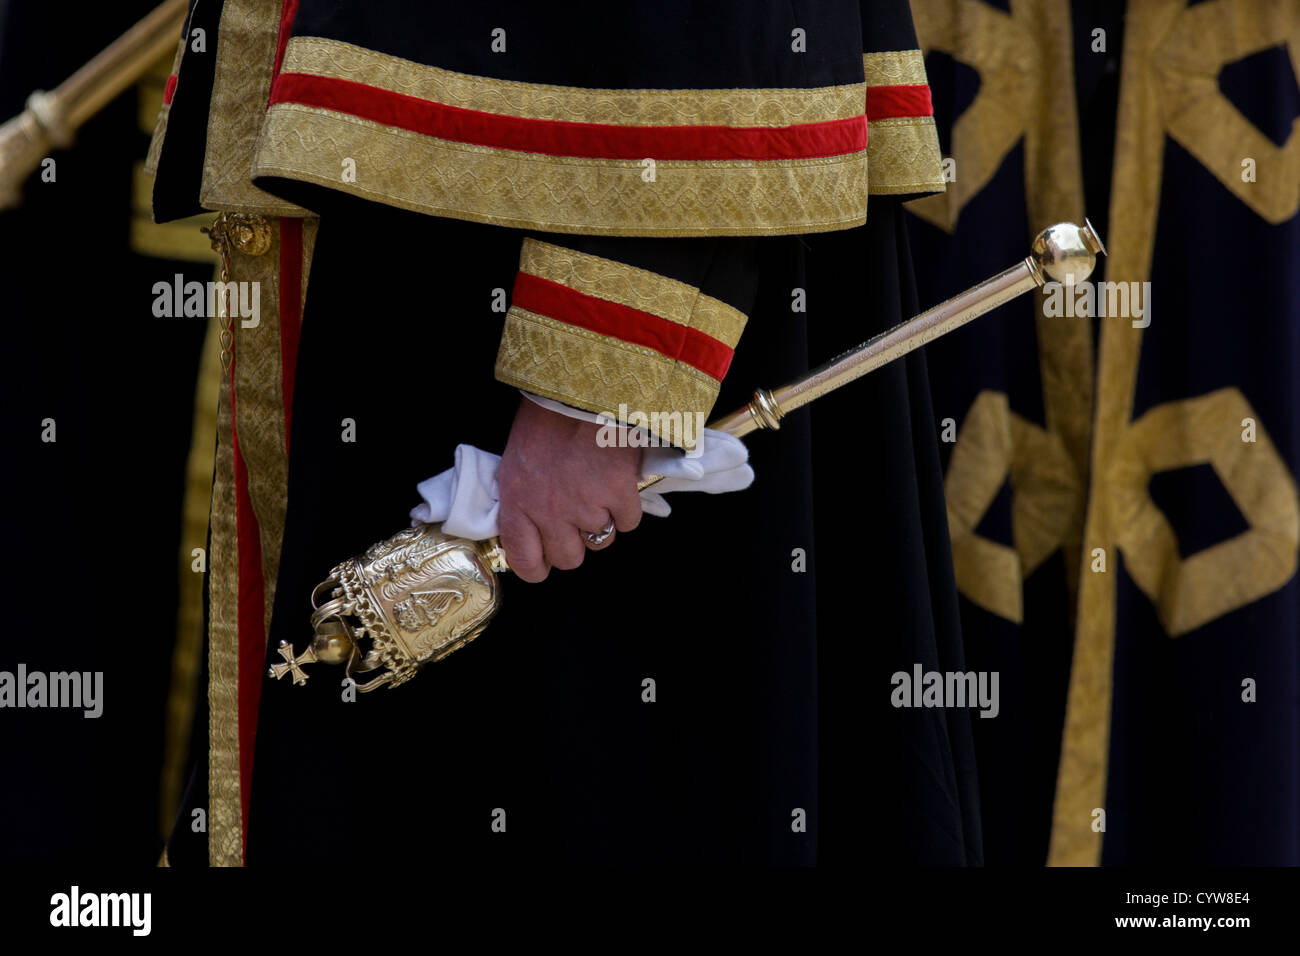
<point x="249" y="501"/>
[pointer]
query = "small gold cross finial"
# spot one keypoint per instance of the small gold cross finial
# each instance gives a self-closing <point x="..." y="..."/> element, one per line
<point x="292" y="664"/>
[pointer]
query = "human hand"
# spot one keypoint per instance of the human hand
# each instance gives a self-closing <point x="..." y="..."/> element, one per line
<point x="557" y="486"/>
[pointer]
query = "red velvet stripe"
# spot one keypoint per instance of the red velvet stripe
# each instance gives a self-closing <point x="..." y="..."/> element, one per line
<point x="170" y="89"/>
<point x="288" y="9"/>
<point x="889" y="102"/>
<point x="563" y="138"/>
<point x="622" y="322"/>
<point x="290" y="312"/>
<point x="250" y="620"/>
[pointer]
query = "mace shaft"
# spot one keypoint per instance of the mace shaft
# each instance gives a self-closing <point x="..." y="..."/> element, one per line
<point x="1065" y="253"/>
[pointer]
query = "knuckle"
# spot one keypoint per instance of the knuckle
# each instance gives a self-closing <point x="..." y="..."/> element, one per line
<point x="630" y="515"/>
<point x="568" y="556"/>
<point x="533" y="572"/>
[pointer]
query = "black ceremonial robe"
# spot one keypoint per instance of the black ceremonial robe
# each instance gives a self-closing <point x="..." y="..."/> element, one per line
<point x="645" y="184"/>
<point x="1126" y="520"/>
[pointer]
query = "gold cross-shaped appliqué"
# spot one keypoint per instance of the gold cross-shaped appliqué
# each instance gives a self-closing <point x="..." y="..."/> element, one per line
<point x="292" y="664"/>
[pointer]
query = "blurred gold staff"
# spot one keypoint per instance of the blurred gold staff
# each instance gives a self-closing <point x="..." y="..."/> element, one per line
<point x="51" y="120"/>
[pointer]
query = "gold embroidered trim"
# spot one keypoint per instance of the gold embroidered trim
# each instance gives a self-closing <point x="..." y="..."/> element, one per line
<point x="894" y="68"/>
<point x="310" y="225"/>
<point x="161" y="110"/>
<point x="259" y="408"/>
<point x="561" y="194"/>
<point x="994" y="443"/>
<point x="241" y="85"/>
<point x="195" y="517"/>
<point x="1198" y="116"/>
<point x="598" y="373"/>
<point x="902" y="151"/>
<point x="1188" y="592"/>
<point x="903" y="156"/>
<point x="1009" y="56"/>
<point x="634" y="288"/>
<point x="225" y="815"/>
<point x="726" y="107"/>
<point x="1170" y="52"/>
<point x="715" y="318"/>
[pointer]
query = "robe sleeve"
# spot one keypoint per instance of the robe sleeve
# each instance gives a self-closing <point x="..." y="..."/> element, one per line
<point x="903" y="157"/>
<point x="627" y="326"/>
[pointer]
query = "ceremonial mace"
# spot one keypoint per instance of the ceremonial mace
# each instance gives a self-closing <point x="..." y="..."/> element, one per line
<point x="422" y="594"/>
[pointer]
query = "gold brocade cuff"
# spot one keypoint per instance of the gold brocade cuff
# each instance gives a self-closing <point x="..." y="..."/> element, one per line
<point x="902" y="143"/>
<point x="611" y="338"/>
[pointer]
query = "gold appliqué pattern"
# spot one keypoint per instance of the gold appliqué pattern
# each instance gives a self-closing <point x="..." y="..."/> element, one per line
<point x="995" y="443"/>
<point x="1168" y="48"/>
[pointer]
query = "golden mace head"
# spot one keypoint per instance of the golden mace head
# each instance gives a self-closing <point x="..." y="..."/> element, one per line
<point x="404" y="603"/>
<point x="1067" y="253"/>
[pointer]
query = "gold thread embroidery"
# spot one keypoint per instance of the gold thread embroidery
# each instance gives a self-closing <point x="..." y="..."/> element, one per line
<point x="259" y="407"/>
<point x="1190" y="591"/>
<point x="993" y="443"/>
<point x="163" y="111"/>
<point x="645" y="107"/>
<point x="597" y="372"/>
<point x="902" y="151"/>
<point x="562" y="194"/>
<point x="260" y="411"/>
<point x="903" y="156"/>
<point x="241" y="85"/>
<point x="636" y="288"/>
<point x="225" y="816"/>
<point x="715" y="318"/>
<point x="1157" y="35"/>
<point x="195" y="517"/>
<point x="1009" y="52"/>
<point x="1201" y="119"/>
<point x="894" y="68"/>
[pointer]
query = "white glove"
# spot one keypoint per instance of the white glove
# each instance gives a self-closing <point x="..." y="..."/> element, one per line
<point x="722" y="466"/>
<point x="464" y="497"/>
<point x="466" y="500"/>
